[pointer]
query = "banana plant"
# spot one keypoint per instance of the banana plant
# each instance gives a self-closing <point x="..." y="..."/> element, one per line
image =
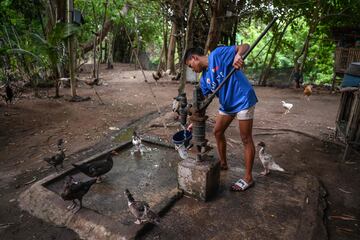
<point x="50" y="52"/>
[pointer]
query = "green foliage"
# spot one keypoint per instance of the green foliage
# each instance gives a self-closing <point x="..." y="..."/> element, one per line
<point x="22" y="35"/>
<point x="319" y="65"/>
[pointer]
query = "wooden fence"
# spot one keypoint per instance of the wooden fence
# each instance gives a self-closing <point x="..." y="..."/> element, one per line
<point x="344" y="57"/>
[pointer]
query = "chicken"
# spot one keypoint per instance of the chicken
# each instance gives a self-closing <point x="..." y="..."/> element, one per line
<point x="9" y="93"/>
<point x="267" y="160"/>
<point x="176" y="77"/>
<point x="156" y="76"/>
<point x="93" y="82"/>
<point x="308" y="92"/>
<point x="175" y="106"/>
<point x="74" y="190"/>
<point x="58" y="158"/>
<point x="136" y="141"/>
<point x="287" y="106"/>
<point x="141" y="210"/>
<point x="96" y="168"/>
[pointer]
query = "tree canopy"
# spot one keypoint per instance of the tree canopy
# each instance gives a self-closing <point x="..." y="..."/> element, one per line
<point x="34" y="34"/>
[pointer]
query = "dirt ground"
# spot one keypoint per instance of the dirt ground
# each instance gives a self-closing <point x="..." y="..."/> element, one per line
<point x="30" y="127"/>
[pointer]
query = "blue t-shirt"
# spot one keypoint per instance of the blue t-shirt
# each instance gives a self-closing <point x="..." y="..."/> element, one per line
<point x="237" y="94"/>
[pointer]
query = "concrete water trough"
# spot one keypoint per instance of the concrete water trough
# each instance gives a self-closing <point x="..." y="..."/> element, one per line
<point x="150" y="177"/>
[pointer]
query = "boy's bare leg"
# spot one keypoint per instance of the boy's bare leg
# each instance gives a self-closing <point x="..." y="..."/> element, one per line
<point x="245" y="127"/>
<point x="222" y="123"/>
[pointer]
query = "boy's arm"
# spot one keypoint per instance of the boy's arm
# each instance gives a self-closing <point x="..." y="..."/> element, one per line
<point x="240" y="51"/>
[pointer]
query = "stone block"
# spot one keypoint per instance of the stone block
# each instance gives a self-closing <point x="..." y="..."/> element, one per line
<point x="199" y="179"/>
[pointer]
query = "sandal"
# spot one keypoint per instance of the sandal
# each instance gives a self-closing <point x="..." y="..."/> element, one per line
<point x="241" y="185"/>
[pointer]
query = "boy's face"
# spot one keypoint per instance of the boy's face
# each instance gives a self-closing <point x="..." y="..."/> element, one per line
<point x="194" y="63"/>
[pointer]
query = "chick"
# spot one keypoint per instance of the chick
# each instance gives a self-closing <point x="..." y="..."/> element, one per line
<point x="267" y="160"/>
<point x="308" y="92"/>
<point x="287" y="106"/>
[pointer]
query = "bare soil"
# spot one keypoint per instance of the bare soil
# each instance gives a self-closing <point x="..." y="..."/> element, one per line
<point x="30" y="128"/>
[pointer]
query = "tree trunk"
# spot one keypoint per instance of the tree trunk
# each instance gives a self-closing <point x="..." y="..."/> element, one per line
<point x="71" y="49"/>
<point x="188" y="44"/>
<point x="61" y="10"/>
<point x="106" y="45"/>
<point x="94" y="58"/>
<point x="233" y="35"/>
<point x="278" y="42"/>
<point x="212" y="38"/>
<point x="265" y="60"/>
<point x="171" y="51"/>
<point x="165" y="43"/>
<point x="312" y="29"/>
<point x="109" y="59"/>
<point x="101" y="34"/>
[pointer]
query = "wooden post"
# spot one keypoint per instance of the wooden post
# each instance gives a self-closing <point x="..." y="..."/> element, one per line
<point x="71" y="40"/>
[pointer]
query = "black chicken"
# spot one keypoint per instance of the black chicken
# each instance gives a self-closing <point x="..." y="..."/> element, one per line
<point x="76" y="190"/>
<point x="96" y="168"/>
<point x="58" y="158"/>
<point x="9" y="93"/>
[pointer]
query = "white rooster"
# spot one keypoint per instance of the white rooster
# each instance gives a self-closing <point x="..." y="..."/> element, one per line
<point x="287" y="106"/>
<point x="267" y="161"/>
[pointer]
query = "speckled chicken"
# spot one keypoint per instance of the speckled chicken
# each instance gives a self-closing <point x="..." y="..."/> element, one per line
<point x="96" y="168"/>
<point x="58" y="158"/>
<point x="74" y="190"/>
<point x="267" y="160"/>
<point x="141" y="210"/>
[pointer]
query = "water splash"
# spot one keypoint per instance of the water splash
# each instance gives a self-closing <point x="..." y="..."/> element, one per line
<point x="182" y="150"/>
<point x="141" y="149"/>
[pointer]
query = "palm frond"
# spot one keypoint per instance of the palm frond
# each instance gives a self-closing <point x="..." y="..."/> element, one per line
<point x="23" y="51"/>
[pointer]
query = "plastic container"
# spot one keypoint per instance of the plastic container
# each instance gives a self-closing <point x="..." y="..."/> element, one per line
<point x="182" y="137"/>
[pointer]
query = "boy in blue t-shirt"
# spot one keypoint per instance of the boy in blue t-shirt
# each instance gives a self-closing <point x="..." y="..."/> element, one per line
<point x="237" y="100"/>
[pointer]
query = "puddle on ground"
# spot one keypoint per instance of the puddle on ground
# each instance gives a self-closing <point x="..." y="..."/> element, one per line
<point x="149" y="177"/>
<point x="125" y="135"/>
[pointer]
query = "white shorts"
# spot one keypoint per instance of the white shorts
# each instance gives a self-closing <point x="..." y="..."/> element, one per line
<point x="245" y="114"/>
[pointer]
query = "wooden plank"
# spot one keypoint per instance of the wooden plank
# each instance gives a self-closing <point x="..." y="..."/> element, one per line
<point x="349" y="89"/>
<point x="354" y="118"/>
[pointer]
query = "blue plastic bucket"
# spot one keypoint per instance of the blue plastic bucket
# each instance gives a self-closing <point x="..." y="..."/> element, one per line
<point x="182" y="137"/>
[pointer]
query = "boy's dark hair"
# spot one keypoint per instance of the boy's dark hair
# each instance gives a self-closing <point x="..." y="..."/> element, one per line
<point x="192" y="51"/>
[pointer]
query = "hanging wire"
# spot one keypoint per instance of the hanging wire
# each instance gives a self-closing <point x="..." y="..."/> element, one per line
<point x="145" y="78"/>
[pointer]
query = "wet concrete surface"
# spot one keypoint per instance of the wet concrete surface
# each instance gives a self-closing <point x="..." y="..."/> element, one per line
<point x="280" y="207"/>
<point x="288" y="205"/>
<point x="149" y="177"/>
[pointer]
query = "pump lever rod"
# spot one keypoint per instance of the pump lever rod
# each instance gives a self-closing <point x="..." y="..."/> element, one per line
<point x="207" y="102"/>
